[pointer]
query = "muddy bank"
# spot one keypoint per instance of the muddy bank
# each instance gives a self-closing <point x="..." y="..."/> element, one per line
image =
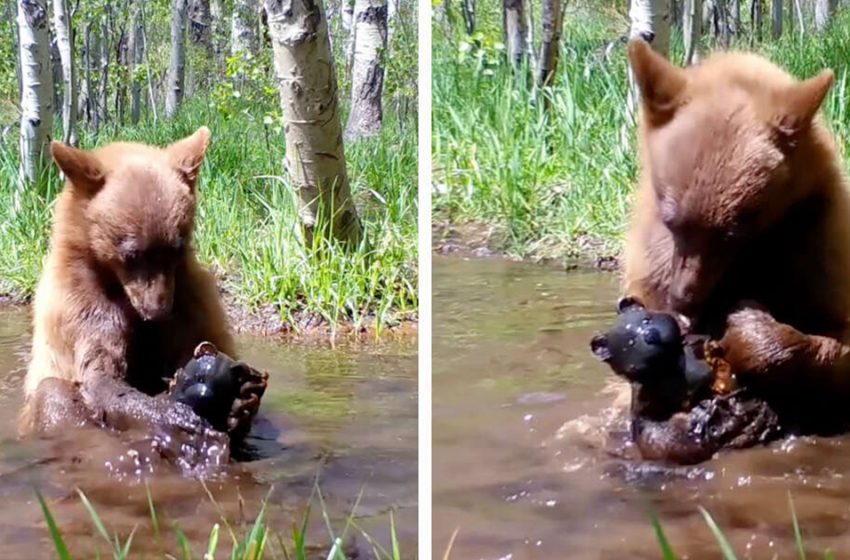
<point x="482" y="240"/>
<point x="265" y="320"/>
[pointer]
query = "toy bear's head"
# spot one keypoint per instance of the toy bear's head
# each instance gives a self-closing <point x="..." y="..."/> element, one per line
<point x="643" y="345"/>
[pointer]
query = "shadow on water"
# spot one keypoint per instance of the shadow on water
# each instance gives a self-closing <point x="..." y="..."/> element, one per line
<point x="349" y="412"/>
<point x="512" y="368"/>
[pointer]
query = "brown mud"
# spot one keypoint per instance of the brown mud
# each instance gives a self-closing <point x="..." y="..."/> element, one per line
<point x="480" y="240"/>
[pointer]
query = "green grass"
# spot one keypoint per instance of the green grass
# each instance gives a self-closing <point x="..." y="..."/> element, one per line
<point x="725" y="548"/>
<point x="552" y="181"/>
<point x="247" y="223"/>
<point x="249" y="541"/>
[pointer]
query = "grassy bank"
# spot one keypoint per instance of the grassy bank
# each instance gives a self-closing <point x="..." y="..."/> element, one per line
<point x="247" y="225"/>
<point x="559" y="185"/>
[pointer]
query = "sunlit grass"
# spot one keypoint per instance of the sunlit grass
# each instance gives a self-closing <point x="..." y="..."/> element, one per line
<point x="247" y="222"/>
<point x="552" y="180"/>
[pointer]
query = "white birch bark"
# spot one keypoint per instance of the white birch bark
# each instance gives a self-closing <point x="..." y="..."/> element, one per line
<point x="692" y="29"/>
<point x="776" y="18"/>
<point x="736" y="16"/>
<point x="62" y="24"/>
<point x="823" y="13"/>
<point x="200" y="16"/>
<point x="550" y="42"/>
<point x="798" y="9"/>
<point x="103" y="89"/>
<point x="217" y="29"/>
<point x="513" y="13"/>
<point x="315" y="157"/>
<point x="242" y="37"/>
<point x="392" y="11"/>
<point x="347" y="20"/>
<point x="177" y="66"/>
<point x="86" y="91"/>
<point x="36" y="87"/>
<point x="135" y="46"/>
<point x="367" y="74"/>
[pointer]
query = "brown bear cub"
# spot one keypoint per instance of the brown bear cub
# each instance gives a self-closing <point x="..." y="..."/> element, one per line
<point x="742" y="225"/>
<point x="122" y="301"/>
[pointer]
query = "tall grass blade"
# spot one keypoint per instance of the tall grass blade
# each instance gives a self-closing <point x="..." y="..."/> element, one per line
<point x="725" y="547"/>
<point x="55" y="534"/>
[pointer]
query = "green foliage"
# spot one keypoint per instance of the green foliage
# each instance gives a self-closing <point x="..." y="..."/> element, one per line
<point x="248" y="216"/>
<point x="250" y="84"/>
<point x="559" y="182"/>
<point x="248" y="220"/>
<point x="8" y="58"/>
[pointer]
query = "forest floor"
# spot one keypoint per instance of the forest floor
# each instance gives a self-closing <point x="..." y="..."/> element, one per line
<point x="247" y="226"/>
<point x="553" y="182"/>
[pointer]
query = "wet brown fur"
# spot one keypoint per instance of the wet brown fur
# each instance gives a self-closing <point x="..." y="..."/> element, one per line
<point x="742" y="221"/>
<point x="122" y="300"/>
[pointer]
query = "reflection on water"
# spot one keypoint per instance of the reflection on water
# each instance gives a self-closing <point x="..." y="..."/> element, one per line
<point x="349" y="412"/>
<point x="512" y="366"/>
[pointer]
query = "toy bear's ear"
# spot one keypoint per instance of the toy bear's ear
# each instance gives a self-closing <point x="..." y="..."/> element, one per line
<point x="599" y="347"/>
<point x="628" y="302"/>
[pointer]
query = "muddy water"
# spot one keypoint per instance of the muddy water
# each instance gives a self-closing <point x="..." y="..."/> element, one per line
<point x="512" y="367"/>
<point x="347" y="414"/>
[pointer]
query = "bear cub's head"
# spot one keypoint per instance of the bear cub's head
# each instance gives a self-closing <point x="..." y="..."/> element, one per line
<point x="133" y="212"/>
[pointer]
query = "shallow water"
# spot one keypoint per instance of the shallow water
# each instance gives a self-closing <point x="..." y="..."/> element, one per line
<point x="349" y="412"/>
<point x="512" y="366"/>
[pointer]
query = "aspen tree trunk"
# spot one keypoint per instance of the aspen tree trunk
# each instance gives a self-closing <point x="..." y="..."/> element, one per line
<point x="145" y="52"/>
<point x="103" y="91"/>
<point x="56" y="67"/>
<point x="650" y="21"/>
<point x="36" y="87"/>
<point x="177" y="66"/>
<point x="217" y="30"/>
<point x="64" y="39"/>
<point x="692" y="29"/>
<point x="135" y="45"/>
<point x="736" y="16"/>
<point x="242" y="38"/>
<point x="725" y="29"/>
<point x="776" y="19"/>
<point x="315" y="157"/>
<point x="121" y="85"/>
<point x="86" y="93"/>
<point x="514" y="21"/>
<point x="200" y="25"/>
<point x="823" y="13"/>
<point x="756" y="17"/>
<point x="468" y="10"/>
<point x="347" y="20"/>
<point x="530" y="40"/>
<point x="392" y="12"/>
<point x="798" y="9"/>
<point x="550" y="44"/>
<point x="367" y="74"/>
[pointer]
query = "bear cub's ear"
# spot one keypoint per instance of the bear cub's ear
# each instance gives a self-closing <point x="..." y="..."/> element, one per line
<point x="81" y="168"/>
<point x="187" y="155"/>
